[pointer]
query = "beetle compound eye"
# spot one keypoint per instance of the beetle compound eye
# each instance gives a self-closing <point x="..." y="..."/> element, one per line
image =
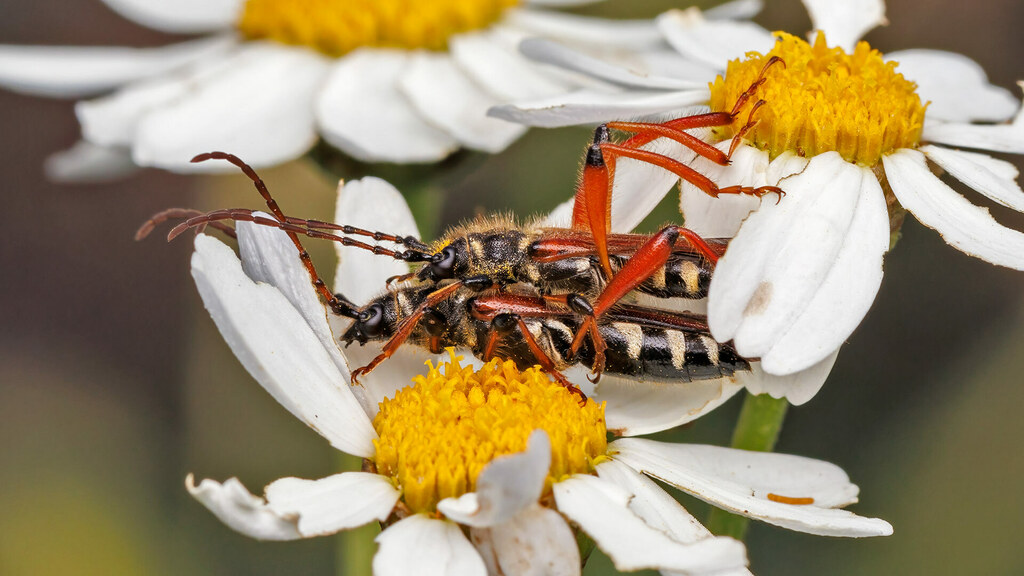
<point x="434" y="322"/>
<point x="371" y="321"/>
<point x="445" y="265"/>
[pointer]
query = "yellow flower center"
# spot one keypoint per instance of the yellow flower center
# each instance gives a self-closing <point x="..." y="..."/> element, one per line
<point x="824" y="99"/>
<point x="438" y="434"/>
<point x="336" y="27"/>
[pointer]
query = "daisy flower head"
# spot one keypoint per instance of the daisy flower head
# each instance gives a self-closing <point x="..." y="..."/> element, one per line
<point x="855" y="138"/>
<point x="473" y="469"/>
<point x="383" y="81"/>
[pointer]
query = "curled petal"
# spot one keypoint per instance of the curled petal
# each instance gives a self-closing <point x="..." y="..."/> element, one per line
<point x="592" y="107"/>
<point x="798" y="387"/>
<point x="712" y="42"/>
<point x="506" y="487"/>
<point x="635" y="408"/>
<point x="721" y="217"/>
<point x="278" y="348"/>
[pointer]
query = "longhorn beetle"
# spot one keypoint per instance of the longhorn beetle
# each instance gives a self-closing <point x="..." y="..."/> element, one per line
<point x="562" y="264"/>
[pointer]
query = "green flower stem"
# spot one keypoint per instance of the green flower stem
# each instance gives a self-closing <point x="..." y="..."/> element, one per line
<point x="757" y="429"/>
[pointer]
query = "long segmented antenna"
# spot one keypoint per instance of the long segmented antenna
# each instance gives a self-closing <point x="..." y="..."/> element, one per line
<point x="297" y="226"/>
<point x="178" y="214"/>
<point x="338" y="305"/>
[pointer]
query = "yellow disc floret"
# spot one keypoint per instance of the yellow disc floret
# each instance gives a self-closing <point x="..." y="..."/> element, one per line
<point x="437" y="435"/>
<point x="336" y="27"/>
<point x="824" y="99"/>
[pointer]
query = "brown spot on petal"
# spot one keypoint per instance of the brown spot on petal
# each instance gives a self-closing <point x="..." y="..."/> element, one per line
<point x="759" y="301"/>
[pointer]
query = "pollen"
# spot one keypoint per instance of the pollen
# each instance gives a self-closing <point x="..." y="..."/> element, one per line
<point x="436" y="436"/>
<point x="823" y="99"/>
<point x="336" y="27"/>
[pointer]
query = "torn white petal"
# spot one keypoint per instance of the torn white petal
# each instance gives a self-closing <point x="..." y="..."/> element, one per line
<point x="995" y="179"/>
<point x="242" y="511"/>
<point x="721" y="217"/>
<point x="964" y="226"/>
<point x="537" y="542"/>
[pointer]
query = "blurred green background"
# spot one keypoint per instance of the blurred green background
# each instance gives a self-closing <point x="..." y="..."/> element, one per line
<point x="114" y="383"/>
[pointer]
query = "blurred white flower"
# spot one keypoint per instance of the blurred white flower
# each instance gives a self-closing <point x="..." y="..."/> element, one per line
<point x="384" y="81"/>
<point x="845" y="132"/>
<point x="426" y="463"/>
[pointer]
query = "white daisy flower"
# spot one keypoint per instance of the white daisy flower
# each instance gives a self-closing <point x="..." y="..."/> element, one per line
<point x="852" y="136"/>
<point x="384" y="81"/>
<point x="508" y="455"/>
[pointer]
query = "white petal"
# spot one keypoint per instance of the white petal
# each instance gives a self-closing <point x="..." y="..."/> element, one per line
<point x="491" y="58"/>
<point x="713" y="42"/>
<point x="624" y="34"/>
<point x="602" y="510"/>
<point x="86" y="162"/>
<point x="735" y="10"/>
<point x="561" y="216"/>
<point x="721" y="217"/>
<point x="782" y="254"/>
<point x="334" y="503"/>
<point x="277" y="347"/>
<point x="635" y="408"/>
<point x="183" y="16"/>
<point x="956" y="86"/>
<point x="996" y="179"/>
<point x="741" y="482"/>
<point x="269" y="256"/>
<point x="560" y="3"/>
<point x="556" y="54"/>
<point x="798" y="387"/>
<point x="964" y="226"/>
<point x="260" y="109"/>
<point x="242" y="511"/>
<point x="76" y="71"/>
<point x="505" y="487"/>
<point x="658" y="509"/>
<point x="537" y="542"/>
<point x="445" y="96"/>
<point x="362" y="112"/>
<point x="844" y="23"/>
<point x="655" y="506"/>
<point x="843" y="298"/>
<point x="998" y="138"/>
<point x="591" y="107"/>
<point x="426" y="547"/>
<point x="372" y="204"/>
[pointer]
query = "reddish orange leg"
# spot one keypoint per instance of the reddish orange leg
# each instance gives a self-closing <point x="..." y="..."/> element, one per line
<point x="647" y="260"/>
<point x="592" y="209"/>
<point x="675" y="129"/>
<point x="699" y="180"/>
